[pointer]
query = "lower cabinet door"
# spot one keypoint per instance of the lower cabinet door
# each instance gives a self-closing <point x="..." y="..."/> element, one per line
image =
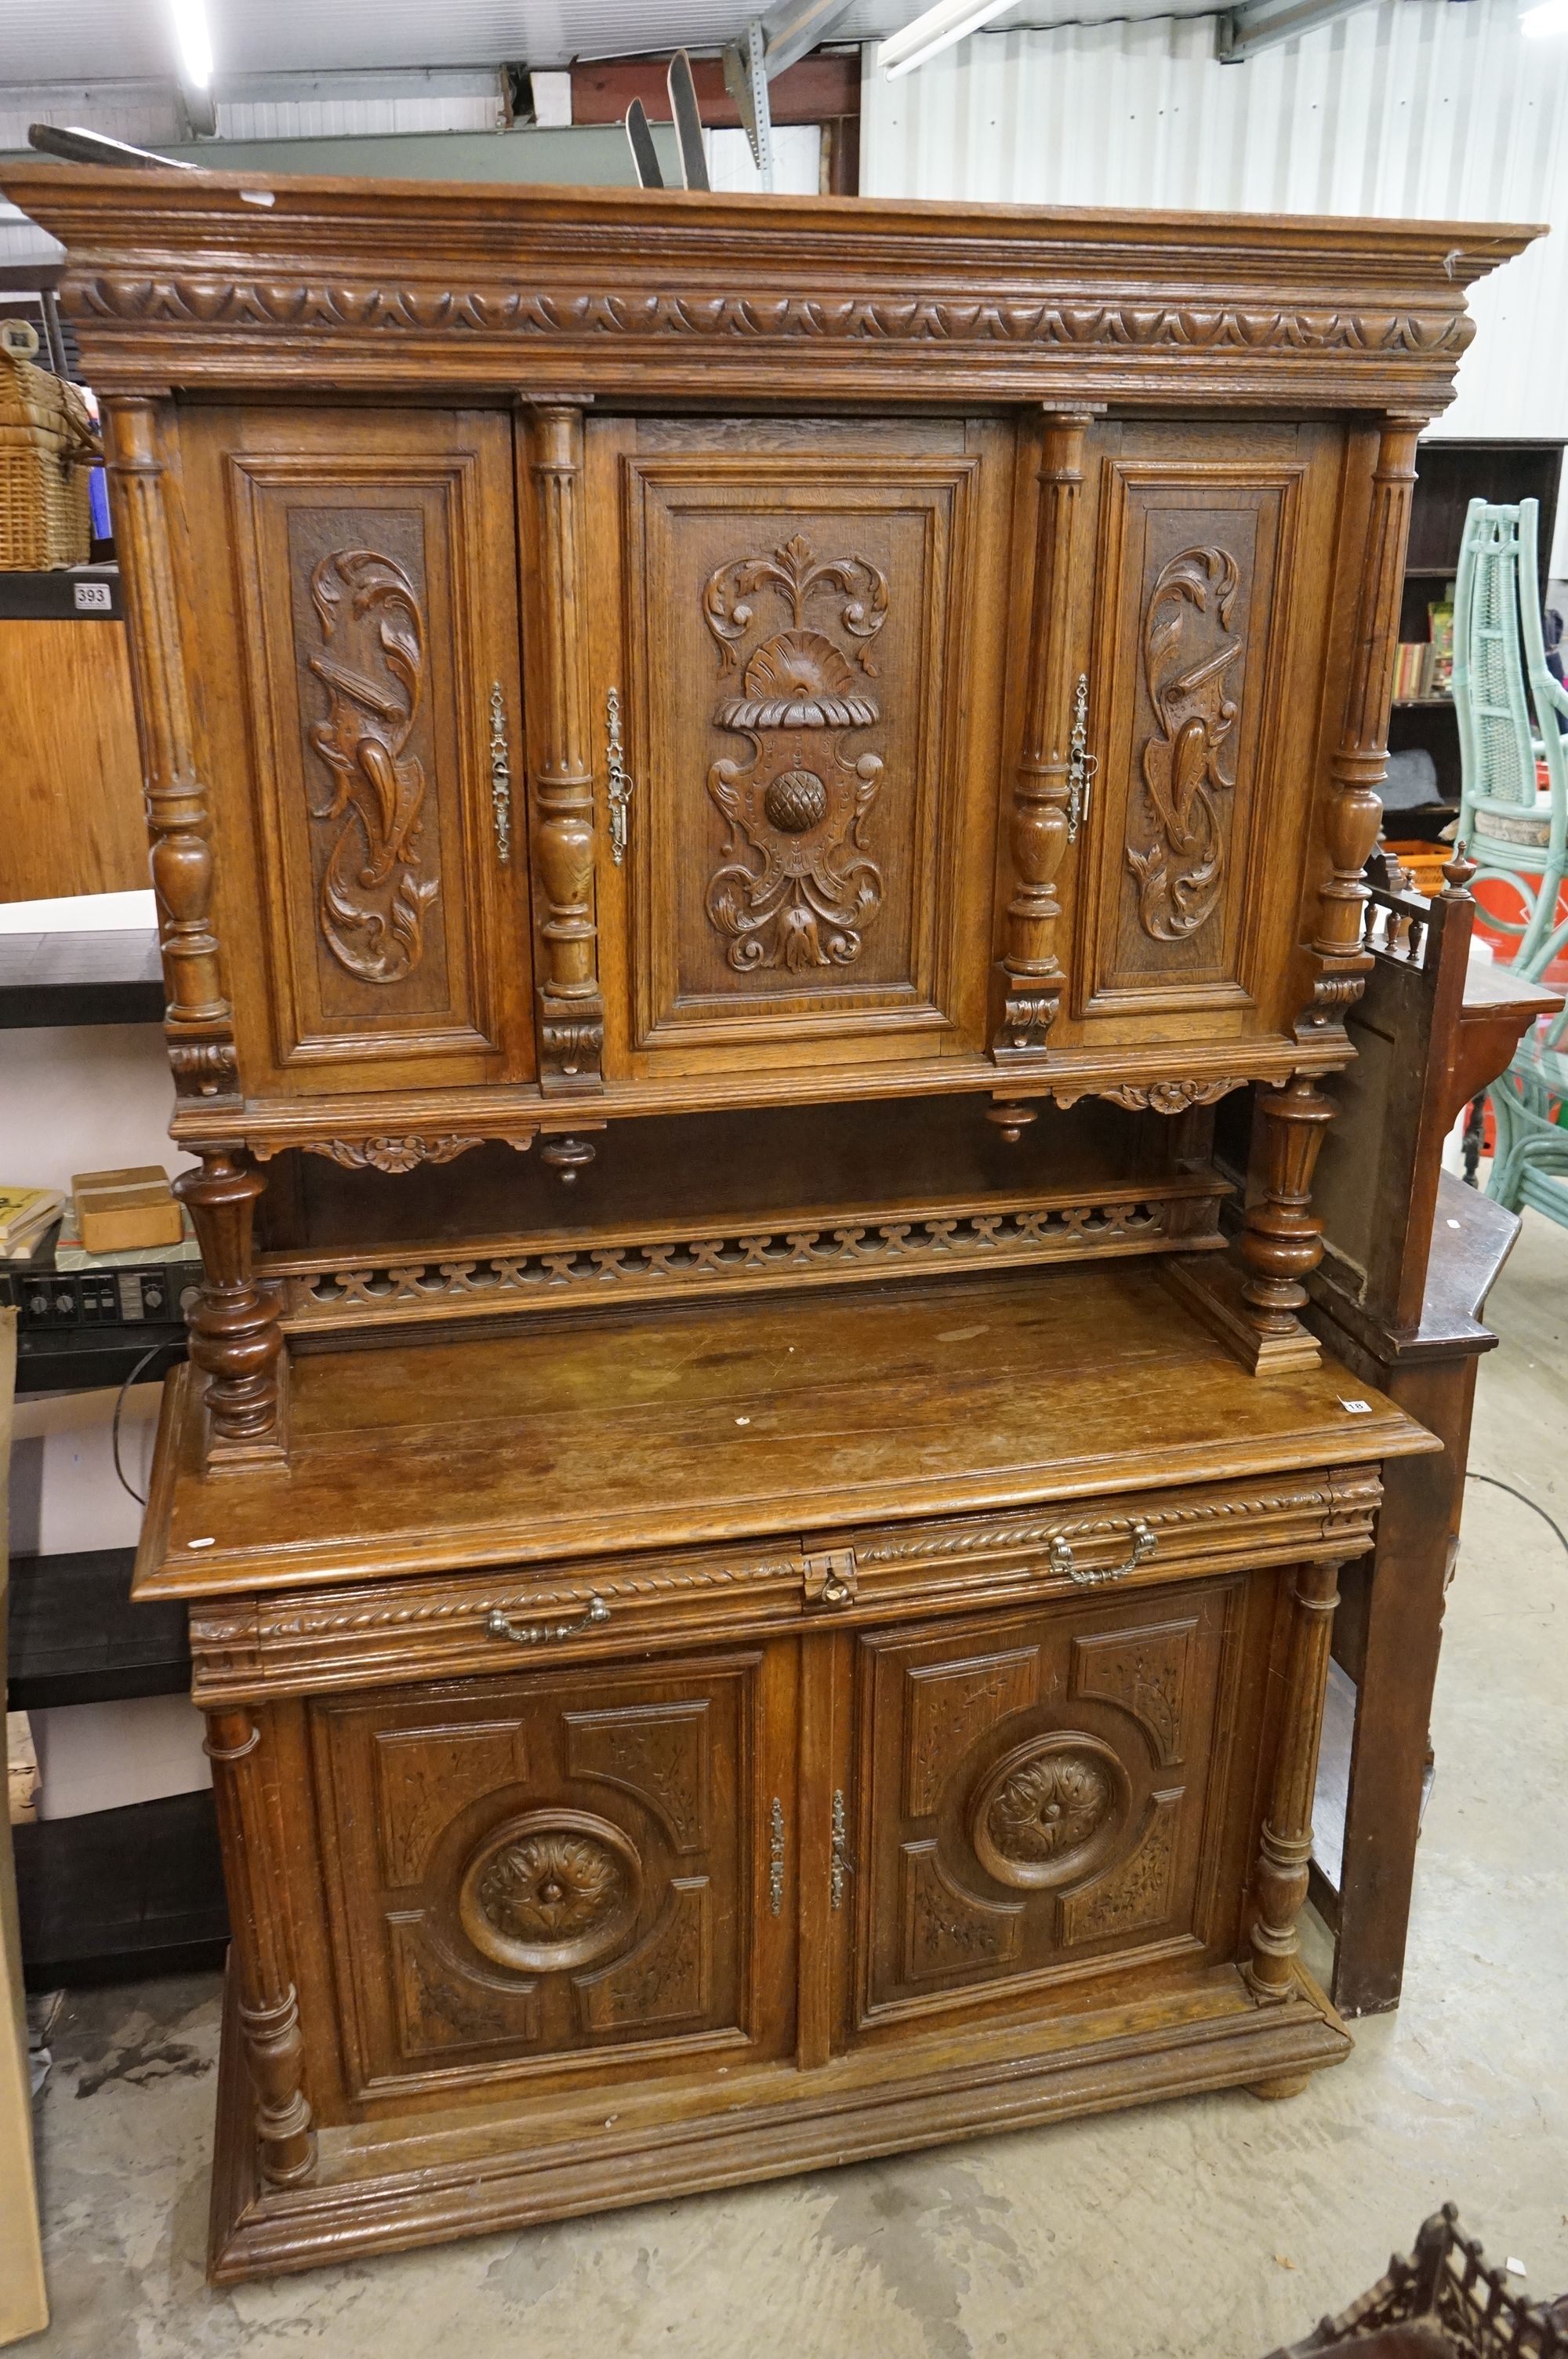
<point x="526" y="1874"/>
<point x="1055" y="1795"/>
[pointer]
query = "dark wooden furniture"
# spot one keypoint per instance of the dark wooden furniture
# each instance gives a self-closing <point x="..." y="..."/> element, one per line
<point x="731" y="784"/>
<point x="1410" y="1256"/>
<point x="1442" y="2301"/>
<point x="1449" y="475"/>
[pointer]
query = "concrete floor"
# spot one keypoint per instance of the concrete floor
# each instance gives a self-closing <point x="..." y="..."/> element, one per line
<point x="1215" y="2226"/>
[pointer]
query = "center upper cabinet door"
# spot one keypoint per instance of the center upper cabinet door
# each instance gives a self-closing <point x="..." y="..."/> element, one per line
<point x="804" y="646"/>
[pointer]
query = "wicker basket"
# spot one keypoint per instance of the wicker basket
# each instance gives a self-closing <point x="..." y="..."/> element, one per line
<point x="46" y="445"/>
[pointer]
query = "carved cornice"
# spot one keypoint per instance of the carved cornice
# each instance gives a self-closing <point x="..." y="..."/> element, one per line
<point x="1157" y="1097"/>
<point x="354" y="286"/>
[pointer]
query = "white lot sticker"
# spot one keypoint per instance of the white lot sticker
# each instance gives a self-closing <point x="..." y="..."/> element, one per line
<point x="93" y="597"/>
<point x="1357" y="1408"/>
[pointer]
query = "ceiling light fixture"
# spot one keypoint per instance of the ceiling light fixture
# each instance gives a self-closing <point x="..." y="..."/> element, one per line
<point x="195" y="42"/>
<point x="1552" y="16"/>
<point x="937" y="28"/>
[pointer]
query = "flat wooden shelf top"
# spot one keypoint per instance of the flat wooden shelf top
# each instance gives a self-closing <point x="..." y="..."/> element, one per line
<point x="723" y="1420"/>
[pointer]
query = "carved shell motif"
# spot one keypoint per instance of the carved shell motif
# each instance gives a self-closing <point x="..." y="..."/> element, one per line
<point x="550" y="1890"/>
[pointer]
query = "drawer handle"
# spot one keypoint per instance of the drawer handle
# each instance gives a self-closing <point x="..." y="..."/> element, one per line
<point x="1144" y="1541"/>
<point x="542" y="1634"/>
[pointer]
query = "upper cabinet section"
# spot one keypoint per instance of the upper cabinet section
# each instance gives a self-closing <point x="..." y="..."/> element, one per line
<point x="605" y="651"/>
<point x="353" y="602"/>
<point x="799" y="660"/>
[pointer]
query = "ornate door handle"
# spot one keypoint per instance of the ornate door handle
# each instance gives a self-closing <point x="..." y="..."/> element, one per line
<point x="840" y="1868"/>
<point x="499" y="777"/>
<point x="543" y="1634"/>
<point x="618" y="778"/>
<point x="776" y="1858"/>
<point x="1144" y="1542"/>
<point x="1081" y="764"/>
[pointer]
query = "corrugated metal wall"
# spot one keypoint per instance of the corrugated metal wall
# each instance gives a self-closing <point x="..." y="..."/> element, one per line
<point x="1415" y="106"/>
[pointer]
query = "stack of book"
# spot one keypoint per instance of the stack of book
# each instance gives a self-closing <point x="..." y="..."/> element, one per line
<point x="1423" y="668"/>
<point x="1413" y="671"/>
<point x="25" y="1214"/>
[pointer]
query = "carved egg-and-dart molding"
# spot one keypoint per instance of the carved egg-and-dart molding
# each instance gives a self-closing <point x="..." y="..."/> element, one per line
<point x="1049" y="1810"/>
<point x="801" y="804"/>
<point x="552" y="1889"/>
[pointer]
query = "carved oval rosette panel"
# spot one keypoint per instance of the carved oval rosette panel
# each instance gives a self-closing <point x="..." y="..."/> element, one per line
<point x="551" y="1889"/>
<point x="1049" y="1811"/>
<point x="810" y="886"/>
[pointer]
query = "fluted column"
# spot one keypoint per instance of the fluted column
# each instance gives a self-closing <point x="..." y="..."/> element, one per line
<point x="268" y="2010"/>
<point x="571" y="1010"/>
<point x="1360" y="765"/>
<point x="1032" y="971"/>
<point x="197" y="1018"/>
<point x="1284" y="1854"/>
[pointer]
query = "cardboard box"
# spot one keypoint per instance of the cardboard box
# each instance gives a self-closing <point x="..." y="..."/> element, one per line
<point x="117" y="1210"/>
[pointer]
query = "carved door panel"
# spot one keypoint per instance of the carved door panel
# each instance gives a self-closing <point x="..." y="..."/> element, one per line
<point x="804" y="653"/>
<point x="528" y="1874"/>
<point x="1213" y="584"/>
<point x="1052" y="1796"/>
<point x="358" y="696"/>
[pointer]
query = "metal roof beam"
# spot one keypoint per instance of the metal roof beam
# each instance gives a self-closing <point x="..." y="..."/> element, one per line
<point x="1240" y="33"/>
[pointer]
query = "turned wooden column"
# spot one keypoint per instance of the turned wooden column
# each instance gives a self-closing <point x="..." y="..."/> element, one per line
<point x="571" y="1010"/>
<point x="1282" y="1241"/>
<point x="1285" y="1851"/>
<point x="198" y="1020"/>
<point x="1032" y="971"/>
<point x="268" y="2013"/>
<point x="235" y="1339"/>
<point x="1359" y="766"/>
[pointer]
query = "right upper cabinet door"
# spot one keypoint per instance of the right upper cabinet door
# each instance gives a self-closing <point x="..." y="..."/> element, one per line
<point x="805" y="652"/>
<point x="1211" y="609"/>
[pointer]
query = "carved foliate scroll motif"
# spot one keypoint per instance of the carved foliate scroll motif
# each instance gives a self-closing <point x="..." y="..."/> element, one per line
<point x="375" y="890"/>
<point x="1143" y="1671"/>
<point x="953" y="1705"/>
<point x="801" y="804"/>
<point x="668" y="1978"/>
<point x="657" y="1752"/>
<point x="945" y="1928"/>
<point x="552" y="1889"/>
<point x="1181" y="873"/>
<point x="1136" y="1892"/>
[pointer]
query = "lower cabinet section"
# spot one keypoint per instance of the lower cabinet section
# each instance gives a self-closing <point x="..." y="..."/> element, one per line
<point x="604" y="1929"/>
<point x="527" y="1872"/>
<point x="1052" y="1795"/>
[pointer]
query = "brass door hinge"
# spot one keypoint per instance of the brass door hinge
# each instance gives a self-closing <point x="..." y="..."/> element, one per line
<point x="831" y="1578"/>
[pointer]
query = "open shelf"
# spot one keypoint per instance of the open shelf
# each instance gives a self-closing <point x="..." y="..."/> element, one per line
<point x="75" y="1636"/>
<point x="116" y="1896"/>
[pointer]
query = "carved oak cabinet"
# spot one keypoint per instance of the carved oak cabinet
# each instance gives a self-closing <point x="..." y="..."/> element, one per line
<point x="731" y="781"/>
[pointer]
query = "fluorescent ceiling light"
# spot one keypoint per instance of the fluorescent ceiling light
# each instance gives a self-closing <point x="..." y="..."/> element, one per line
<point x="195" y="42"/>
<point x="1552" y="16"/>
<point x="937" y="28"/>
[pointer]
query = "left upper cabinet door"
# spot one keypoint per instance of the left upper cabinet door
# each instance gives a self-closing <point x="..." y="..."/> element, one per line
<point x="350" y="614"/>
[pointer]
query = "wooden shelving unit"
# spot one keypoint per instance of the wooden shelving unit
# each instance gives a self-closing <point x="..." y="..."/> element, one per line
<point x="1449" y="475"/>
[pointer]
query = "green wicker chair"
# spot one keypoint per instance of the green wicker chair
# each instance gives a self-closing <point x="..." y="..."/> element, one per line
<point x="1516" y="833"/>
